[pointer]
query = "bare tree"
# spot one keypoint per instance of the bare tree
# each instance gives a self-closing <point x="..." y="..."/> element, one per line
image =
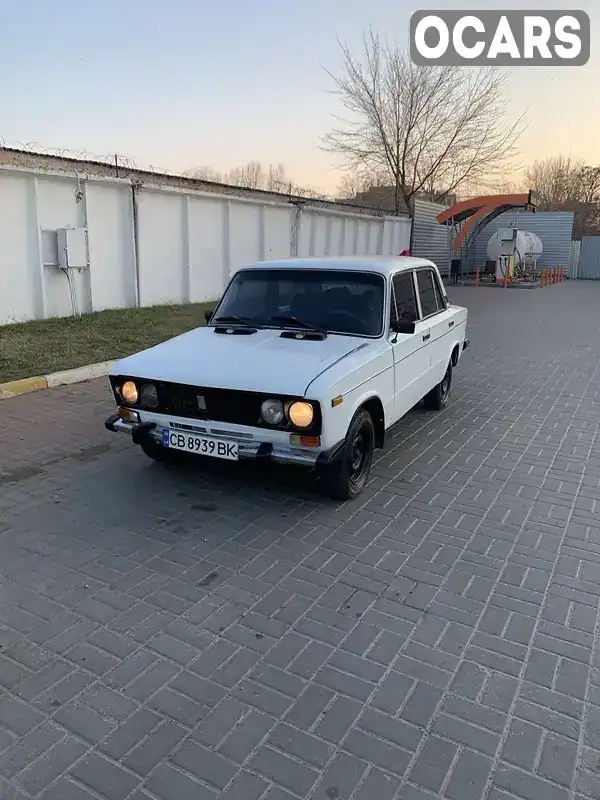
<point x="430" y="129"/>
<point x="556" y="181"/>
<point x="357" y="182"/>
<point x="254" y="176"/>
<point x="204" y="174"/>
<point x="276" y="178"/>
<point x="566" y="184"/>
<point x="250" y="175"/>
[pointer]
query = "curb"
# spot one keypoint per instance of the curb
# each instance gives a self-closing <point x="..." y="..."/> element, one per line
<point x="64" y="378"/>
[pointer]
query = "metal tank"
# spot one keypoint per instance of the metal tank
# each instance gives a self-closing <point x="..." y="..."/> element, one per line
<point x="525" y="246"/>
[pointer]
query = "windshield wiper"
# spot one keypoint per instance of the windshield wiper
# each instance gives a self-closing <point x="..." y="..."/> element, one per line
<point x="298" y="323"/>
<point x="235" y="320"/>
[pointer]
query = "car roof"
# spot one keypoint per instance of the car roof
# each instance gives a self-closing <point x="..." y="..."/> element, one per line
<point x="383" y="265"/>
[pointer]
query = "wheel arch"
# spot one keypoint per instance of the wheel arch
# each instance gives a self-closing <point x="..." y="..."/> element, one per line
<point x="373" y="404"/>
<point x="455" y="354"/>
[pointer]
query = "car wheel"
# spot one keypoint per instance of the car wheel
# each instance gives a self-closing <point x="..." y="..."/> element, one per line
<point x="354" y="465"/>
<point x="438" y="397"/>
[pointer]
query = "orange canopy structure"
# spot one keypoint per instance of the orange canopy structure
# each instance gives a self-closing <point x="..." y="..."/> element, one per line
<point x="478" y="211"/>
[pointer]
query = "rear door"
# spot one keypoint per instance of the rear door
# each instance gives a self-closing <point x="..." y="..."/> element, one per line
<point x="411" y="353"/>
<point x="439" y="318"/>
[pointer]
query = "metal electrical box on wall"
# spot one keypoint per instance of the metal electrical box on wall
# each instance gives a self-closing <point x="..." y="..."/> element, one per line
<point x="72" y="248"/>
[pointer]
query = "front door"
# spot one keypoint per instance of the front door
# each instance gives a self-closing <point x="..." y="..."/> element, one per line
<point x="411" y="351"/>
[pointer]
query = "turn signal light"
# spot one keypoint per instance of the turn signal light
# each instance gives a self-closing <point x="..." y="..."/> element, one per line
<point x="305" y="441"/>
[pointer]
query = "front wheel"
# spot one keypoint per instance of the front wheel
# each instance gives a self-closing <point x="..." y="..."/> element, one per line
<point x="354" y="465"/>
<point x="438" y="397"/>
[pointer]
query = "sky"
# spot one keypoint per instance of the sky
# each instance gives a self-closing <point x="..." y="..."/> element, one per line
<point x="186" y="83"/>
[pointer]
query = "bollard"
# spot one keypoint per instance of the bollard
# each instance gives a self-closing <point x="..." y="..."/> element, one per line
<point x="506" y="272"/>
<point x="562" y="274"/>
<point x="554" y="275"/>
<point x="477" y="276"/>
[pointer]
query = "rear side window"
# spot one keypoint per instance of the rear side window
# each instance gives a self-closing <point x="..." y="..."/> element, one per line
<point x="404" y="309"/>
<point x="430" y="293"/>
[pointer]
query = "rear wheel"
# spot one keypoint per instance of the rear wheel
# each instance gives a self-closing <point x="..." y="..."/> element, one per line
<point x="354" y="466"/>
<point x="438" y="397"/>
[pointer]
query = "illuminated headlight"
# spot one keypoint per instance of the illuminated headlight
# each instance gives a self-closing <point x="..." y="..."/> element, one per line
<point x="149" y="395"/>
<point x="272" y="412"/>
<point x="129" y="392"/>
<point x="301" y="414"/>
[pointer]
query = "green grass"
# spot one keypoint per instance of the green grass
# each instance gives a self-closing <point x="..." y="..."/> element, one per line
<point x="42" y="347"/>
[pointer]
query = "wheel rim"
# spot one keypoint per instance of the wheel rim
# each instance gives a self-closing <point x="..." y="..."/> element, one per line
<point x="445" y="387"/>
<point x="359" y="456"/>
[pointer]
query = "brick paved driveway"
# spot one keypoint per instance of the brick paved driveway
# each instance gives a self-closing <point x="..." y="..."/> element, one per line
<point x="177" y="635"/>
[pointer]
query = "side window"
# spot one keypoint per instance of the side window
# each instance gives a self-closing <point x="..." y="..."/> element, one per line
<point x="404" y="294"/>
<point x="439" y="295"/>
<point x="427" y="293"/>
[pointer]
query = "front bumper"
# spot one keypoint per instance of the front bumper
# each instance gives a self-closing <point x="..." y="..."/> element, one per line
<point x="260" y="451"/>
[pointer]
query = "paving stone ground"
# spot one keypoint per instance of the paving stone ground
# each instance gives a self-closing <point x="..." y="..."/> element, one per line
<point x="229" y="634"/>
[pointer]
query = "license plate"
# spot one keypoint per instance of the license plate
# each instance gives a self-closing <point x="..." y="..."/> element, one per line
<point x="201" y="445"/>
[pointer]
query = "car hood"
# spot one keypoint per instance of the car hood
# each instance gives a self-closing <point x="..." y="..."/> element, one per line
<point x="259" y="362"/>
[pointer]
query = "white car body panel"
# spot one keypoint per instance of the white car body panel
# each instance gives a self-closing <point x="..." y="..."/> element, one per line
<point x="258" y="363"/>
<point x="397" y="370"/>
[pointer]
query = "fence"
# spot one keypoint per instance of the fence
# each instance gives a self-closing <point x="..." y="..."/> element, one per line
<point x="430" y="239"/>
<point x="589" y="259"/>
<point x="150" y="244"/>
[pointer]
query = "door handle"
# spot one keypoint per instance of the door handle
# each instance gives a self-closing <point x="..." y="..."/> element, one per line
<point x="426" y="336"/>
<point x="451" y="324"/>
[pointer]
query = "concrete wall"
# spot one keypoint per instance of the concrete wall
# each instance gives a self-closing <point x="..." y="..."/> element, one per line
<point x="169" y="246"/>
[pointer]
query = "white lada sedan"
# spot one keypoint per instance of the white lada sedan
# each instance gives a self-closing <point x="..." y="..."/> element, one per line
<point x="303" y="361"/>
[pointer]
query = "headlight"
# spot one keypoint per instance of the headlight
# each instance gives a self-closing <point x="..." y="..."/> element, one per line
<point x="301" y="414"/>
<point x="149" y="395"/>
<point x="272" y="412"/>
<point x="129" y="392"/>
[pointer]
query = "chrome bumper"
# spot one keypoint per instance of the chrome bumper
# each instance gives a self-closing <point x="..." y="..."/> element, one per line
<point x="260" y="451"/>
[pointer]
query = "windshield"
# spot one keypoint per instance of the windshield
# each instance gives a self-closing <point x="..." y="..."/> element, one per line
<point x="332" y="300"/>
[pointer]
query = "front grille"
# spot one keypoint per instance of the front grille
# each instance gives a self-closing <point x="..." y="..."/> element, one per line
<point x="222" y="405"/>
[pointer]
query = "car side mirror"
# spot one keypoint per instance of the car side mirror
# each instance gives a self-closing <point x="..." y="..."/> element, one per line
<point x="208" y="312"/>
<point x="401" y="326"/>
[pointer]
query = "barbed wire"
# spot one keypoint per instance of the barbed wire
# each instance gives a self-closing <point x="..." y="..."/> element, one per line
<point x="34" y="154"/>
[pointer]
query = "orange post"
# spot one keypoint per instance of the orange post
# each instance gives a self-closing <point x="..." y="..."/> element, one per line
<point x="562" y="274"/>
<point x="554" y="275"/>
<point x="477" y="277"/>
<point x="506" y="272"/>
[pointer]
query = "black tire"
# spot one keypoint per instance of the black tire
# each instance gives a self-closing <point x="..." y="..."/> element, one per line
<point x="438" y="397"/>
<point x="157" y="452"/>
<point x="351" y="472"/>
